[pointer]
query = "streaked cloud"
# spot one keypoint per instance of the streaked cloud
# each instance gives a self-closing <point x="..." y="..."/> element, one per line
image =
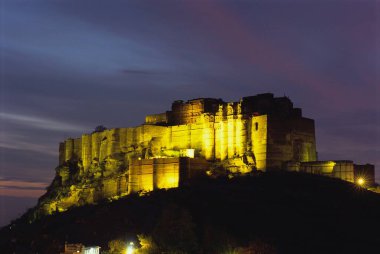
<point x="22" y="184"/>
<point x="19" y="140"/>
<point x="14" y="192"/>
<point x="11" y="140"/>
<point x="38" y="122"/>
<point x="19" y="188"/>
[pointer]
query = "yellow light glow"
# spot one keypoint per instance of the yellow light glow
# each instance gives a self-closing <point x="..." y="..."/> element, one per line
<point x="172" y="181"/>
<point x="361" y="181"/>
<point x="238" y="144"/>
<point x="222" y="143"/>
<point x="240" y="140"/>
<point x="169" y="180"/>
<point x="130" y="248"/>
<point x="187" y="153"/>
<point x="207" y="144"/>
<point x="231" y="138"/>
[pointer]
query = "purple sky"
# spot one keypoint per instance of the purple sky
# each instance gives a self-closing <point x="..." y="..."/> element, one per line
<point x="68" y="66"/>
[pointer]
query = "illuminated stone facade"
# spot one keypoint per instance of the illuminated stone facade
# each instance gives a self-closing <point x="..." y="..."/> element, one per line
<point x="201" y="135"/>
<point x="256" y="133"/>
<point x="267" y="129"/>
<point x="163" y="173"/>
<point x="343" y="169"/>
<point x="339" y="169"/>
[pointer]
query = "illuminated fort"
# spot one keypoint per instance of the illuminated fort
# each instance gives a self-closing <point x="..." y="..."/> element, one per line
<point x="199" y="136"/>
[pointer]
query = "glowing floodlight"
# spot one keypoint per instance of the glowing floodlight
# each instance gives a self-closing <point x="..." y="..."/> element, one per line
<point x="130" y="248"/>
<point x="361" y="181"/>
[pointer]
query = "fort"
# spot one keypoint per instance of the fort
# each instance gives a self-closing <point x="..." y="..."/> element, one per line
<point x="196" y="137"/>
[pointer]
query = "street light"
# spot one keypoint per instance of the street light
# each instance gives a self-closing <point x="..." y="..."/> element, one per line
<point x="130" y="248"/>
<point x="361" y="181"/>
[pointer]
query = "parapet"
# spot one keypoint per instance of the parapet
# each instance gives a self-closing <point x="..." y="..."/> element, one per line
<point x="158" y="119"/>
<point x="342" y="169"/>
<point x="188" y="112"/>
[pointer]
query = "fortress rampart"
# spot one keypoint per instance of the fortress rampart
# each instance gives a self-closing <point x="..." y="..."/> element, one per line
<point x="268" y="129"/>
<point x="202" y="135"/>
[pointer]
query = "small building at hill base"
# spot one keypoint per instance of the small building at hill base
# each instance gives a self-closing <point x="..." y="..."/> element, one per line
<point x="78" y="248"/>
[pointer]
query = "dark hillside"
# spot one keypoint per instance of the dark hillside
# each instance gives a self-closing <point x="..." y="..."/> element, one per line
<point x="290" y="212"/>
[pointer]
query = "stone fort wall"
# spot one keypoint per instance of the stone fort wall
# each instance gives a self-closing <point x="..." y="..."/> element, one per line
<point x="257" y="132"/>
<point x="214" y="129"/>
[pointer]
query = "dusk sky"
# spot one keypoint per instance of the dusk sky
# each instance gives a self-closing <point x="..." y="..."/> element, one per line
<point x="68" y="66"/>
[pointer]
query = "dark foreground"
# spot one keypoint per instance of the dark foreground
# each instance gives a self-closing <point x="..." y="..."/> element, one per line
<point x="272" y="213"/>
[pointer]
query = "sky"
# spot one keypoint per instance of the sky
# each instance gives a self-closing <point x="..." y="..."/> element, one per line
<point x="68" y="66"/>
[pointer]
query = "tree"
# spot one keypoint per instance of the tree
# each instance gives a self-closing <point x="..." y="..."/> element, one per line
<point x="148" y="246"/>
<point x="100" y="128"/>
<point x="116" y="246"/>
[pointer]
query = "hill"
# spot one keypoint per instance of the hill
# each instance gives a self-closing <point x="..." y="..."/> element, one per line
<point x="278" y="212"/>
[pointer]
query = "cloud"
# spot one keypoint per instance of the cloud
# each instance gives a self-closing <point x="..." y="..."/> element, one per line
<point x="136" y="71"/>
<point x="19" y="188"/>
<point x="20" y="145"/>
<point x="42" y="123"/>
<point x="20" y="142"/>
<point x="22" y="184"/>
<point x="14" y="192"/>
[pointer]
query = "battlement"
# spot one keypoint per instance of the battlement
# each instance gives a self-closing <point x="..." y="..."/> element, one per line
<point x="256" y="133"/>
<point x="267" y="128"/>
<point x="190" y="112"/>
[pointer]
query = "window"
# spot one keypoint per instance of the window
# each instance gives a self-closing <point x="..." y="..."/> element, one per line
<point x="256" y="126"/>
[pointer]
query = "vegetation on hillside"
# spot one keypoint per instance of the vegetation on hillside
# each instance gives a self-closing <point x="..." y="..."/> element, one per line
<point x="266" y="213"/>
